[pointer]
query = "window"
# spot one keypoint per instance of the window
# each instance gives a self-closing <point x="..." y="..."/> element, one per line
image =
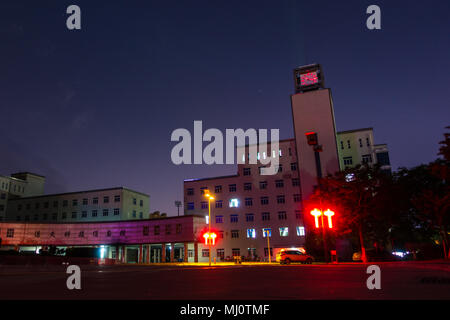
<point x="246" y="171"/>
<point x="81" y="234"/>
<point x="205" y="253"/>
<point x="221" y="254"/>
<point x="294" y="166"/>
<point x="37" y="234"/>
<point x="296" y="182"/>
<point x="220" y="235"/>
<point x="105" y="199"/>
<point x="284" y="231"/>
<point x="117" y="198"/>
<point x="2" y="207"/>
<point x="36" y="217"/>
<point x="247" y="186"/>
<point x="251" y="233"/>
<point x="95" y="200"/>
<point x="85" y="202"/>
<point x="105" y="212"/>
<point x="84" y="214"/>
<point x="94" y="213"/>
<point x="282" y="215"/>
<point x="290" y="151"/>
<point x="263" y="185"/>
<point x="145" y="231"/>
<point x="264" y="200"/>
<point x="368" y="142"/>
<point x="234" y="203"/>
<point x="190" y="191"/>
<point x="280" y="199"/>
<point x="64" y="215"/>
<point x="44" y="216"/>
<point x="348" y="144"/>
<point x="234" y="234"/>
<point x="67" y="234"/>
<point x="232" y="188"/>
<point x="116" y="211"/>
<point x="265" y="216"/>
<point x="218" y="189"/>
<point x="3" y="196"/>
<point x="190" y="206"/>
<point x="108" y="233"/>
<point x="297" y="198"/>
<point x="266" y="252"/>
<point x="301" y="231"/>
<point x="134" y="214"/>
<point x="19" y="207"/>
<point x="37" y="205"/>
<point x="122" y="233"/>
<point x="280" y="168"/>
<point x="348" y="161"/>
<point x="168" y="228"/>
<point x="95" y="233"/>
<point x="10" y="233"/>
<point x="298" y="214"/>
<point x="141" y="203"/>
<point x="156" y="230"/>
<point x="74" y="202"/>
<point x="46" y="205"/>
<point x="249" y="217"/>
<point x="236" y="252"/>
<point x="267" y="231"/>
<point x="141" y="215"/>
<point x="367" y="158"/>
<point x="203" y="189"/>
<point x="74" y="215"/>
<point x="234" y="218"/>
<point x="279" y="183"/>
<point x="248" y="202"/>
<point x="219" y="219"/>
<point x="55" y="204"/>
<point x="360" y="143"/>
<point x="204" y="204"/>
<point x="178" y="228"/>
<point x="134" y="201"/>
<point x="190" y="253"/>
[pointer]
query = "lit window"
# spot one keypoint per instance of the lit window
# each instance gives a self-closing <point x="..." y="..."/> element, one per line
<point x="251" y="233"/>
<point x="234" y="203"/>
<point x="300" y="231"/>
<point x="207" y="219"/>
<point x="267" y="231"/>
<point x="284" y="231"/>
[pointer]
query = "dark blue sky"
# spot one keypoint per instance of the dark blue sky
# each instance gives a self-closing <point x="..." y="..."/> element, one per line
<point x="95" y="108"/>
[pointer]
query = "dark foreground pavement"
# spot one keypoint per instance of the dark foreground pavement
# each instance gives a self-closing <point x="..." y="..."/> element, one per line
<point x="400" y="280"/>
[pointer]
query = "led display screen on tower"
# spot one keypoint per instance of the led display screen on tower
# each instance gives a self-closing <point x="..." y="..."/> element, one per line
<point x="308" y="78"/>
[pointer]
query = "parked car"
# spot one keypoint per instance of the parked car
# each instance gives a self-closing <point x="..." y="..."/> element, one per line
<point x="286" y="256"/>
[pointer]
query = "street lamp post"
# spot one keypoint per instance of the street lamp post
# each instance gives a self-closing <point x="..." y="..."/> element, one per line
<point x="209" y="223"/>
<point x="266" y="231"/>
<point x="313" y="141"/>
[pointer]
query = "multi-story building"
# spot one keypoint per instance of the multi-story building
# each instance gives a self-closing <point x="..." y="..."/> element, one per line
<point x="357" y="147"/>
<point x="248" y="204"/>
<point x="110" y="204"/>
<point x="22" y="184"/>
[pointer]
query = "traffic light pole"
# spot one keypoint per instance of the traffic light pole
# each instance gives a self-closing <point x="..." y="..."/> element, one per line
<point x="317" y="149"/>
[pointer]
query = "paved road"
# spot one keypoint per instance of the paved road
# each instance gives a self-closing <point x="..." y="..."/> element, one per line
<point x="403" y="280"/>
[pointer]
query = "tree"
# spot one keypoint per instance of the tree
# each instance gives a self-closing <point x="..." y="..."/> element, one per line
<point x="353" y="194"/>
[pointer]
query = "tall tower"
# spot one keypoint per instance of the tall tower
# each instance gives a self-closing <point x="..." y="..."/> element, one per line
<point x="314" y="127"/>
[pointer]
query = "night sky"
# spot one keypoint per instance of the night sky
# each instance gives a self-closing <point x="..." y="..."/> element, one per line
<point x="95" y="108"/>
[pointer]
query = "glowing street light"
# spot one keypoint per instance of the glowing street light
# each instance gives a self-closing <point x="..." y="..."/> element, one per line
<point x="329" y="214"/>
<point x="316" y="213"/>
